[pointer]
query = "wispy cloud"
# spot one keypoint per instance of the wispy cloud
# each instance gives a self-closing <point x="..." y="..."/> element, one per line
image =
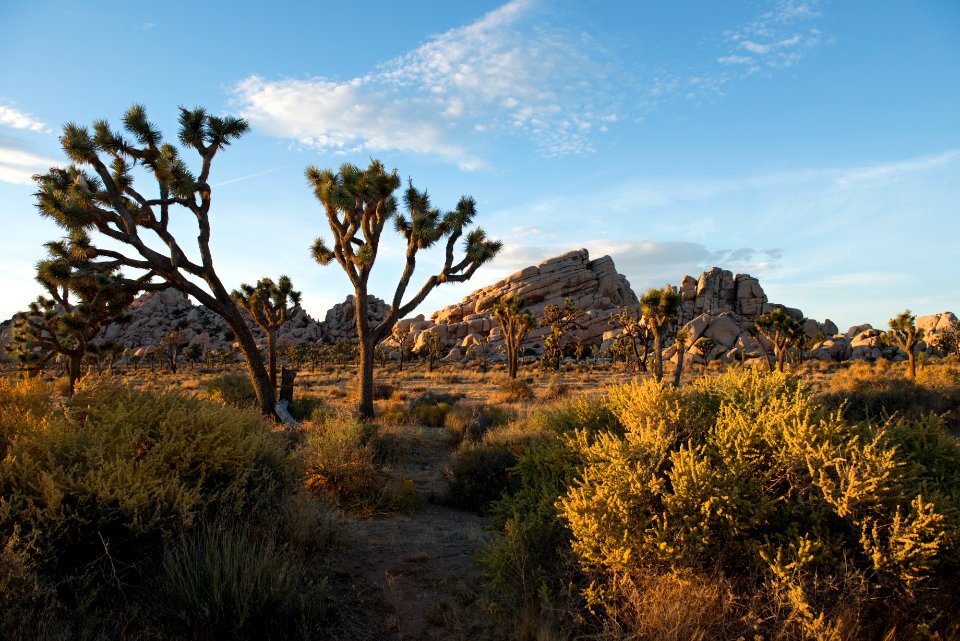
<point x="18" y="166"/>
<point x="498" y="74"/>
<point x="516" y="71"/>
<point x="779" y="38"/>
<point x="10" y="117"/>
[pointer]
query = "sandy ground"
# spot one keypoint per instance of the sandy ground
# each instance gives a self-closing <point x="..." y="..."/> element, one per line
<point x="414" y="576"/>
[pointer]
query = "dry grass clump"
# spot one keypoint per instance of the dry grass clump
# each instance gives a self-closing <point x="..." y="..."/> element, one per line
<point x="232" y="388"/>
<point x="470" y="421"/>
<point x="511" y="391"/>
<point x="341" y="463"/>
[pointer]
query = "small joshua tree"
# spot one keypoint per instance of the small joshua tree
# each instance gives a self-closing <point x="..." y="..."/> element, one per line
<point x="948" y="340"/>
<point x="783" y="331"/>
<point x="358" y="203"/>
<point x="659" y="308"/>
<point x="561" y="321"/>
<point x="705" y="344"/>
<point x="82" y="301"/>
<point x="401" y="336"/>
<point x="266" y="302"/>
<point x="432" y="348"/>
<point x="633" y="331"/>
<point x="515" y="323"/>
<point x="904" y="333"/>
<point x="479" y="350"/>
<point x="169" y="348"/>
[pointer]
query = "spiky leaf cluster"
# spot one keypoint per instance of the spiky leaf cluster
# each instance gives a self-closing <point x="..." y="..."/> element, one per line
<point x="359" y="202"/>
<point x="267" y="301"/>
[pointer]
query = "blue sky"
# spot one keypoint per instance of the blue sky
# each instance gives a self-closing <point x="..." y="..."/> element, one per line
<point x="815" y="145"/>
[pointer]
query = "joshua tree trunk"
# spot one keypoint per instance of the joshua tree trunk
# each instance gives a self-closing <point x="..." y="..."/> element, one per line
<point x="266" y="393"/>
<point x="658" y="355"/>
<point x="272" y="351"/>
<point x="911" y="364"/>
<point x="677" y="373"/>
<point x="365" y="339"/>
<point x="73" y="371"/>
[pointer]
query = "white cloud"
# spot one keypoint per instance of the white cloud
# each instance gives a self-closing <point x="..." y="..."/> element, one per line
<point x="18" y="166"/>
<point x="10" y="117"/>
<point x="501" y="74"/>
<point x="777" y="39"/>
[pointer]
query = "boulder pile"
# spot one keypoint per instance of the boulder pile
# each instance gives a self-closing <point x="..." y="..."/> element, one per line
<point x="594" y="285"/>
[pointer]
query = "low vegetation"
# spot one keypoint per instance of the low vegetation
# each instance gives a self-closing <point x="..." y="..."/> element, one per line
<point x="823" y="504"/>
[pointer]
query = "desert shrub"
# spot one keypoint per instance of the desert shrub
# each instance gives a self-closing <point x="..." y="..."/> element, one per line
<point x="748" y="476"/>
<point x="429" y="415"/>
<point x="531" y="565"/>
<point x="23" y="405"/>
<point x="223" y="581"/>
<point x="104" y="481"/>
<point x="432" y="398"/>
<point x="512" y="390"/>
<point x="557" y="390"/>
<point x="307" y="407"/>
<point x="310" y="522"/>
<point x="478" y="474"/>
<point x="340" y="463"/>
<point x="470" y="421"/>
<point x="231" y="388"/>
<point x="866" y="393"/>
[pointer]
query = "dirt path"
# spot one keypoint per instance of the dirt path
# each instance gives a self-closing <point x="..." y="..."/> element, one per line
<point x="414" y="576"/>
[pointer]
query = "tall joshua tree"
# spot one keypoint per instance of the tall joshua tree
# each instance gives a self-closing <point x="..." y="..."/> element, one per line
<point x="81" y="302"/>
<point x="96" y="193"/>
<point x="904" y="332"/>
<point x="515" y="323"/>
<point x="358" y="204"/>
<point x="633" y="330"/>
<point x="659" y="308"/>
<point x="267" y="304"/>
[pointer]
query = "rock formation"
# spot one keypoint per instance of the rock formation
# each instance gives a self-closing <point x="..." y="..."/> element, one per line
<point x="594" y="285"/>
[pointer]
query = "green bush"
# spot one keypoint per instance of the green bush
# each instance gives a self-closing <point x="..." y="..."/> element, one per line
<point x="470" y="421"/>
<point x="747" y="474"/>
<point x="107" y="479"/>
<point x="232" y="389"/>
<point x="478" y="474"/>
<point x="429" y="415"/>
<point x="341" y="463"/>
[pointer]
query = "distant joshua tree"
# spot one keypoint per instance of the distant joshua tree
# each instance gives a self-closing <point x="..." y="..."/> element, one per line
<point x="904" y="333"/>
<point x="97" y="193"/>
<point x="82" y="301"/>
<point x="783" y="330"/>
<point x="515" y="323"/>
<point x="948" y="340"/>
<point x="561" y="321"/>
<point x="682" y="337"/>
<point x="432" y="348"/>
<point x="659" y="308"/>
<point x="266" y="303"/>
<point x="401" y="336"/>
<point x="358" y="204"/>
<point x="633" y="331"/>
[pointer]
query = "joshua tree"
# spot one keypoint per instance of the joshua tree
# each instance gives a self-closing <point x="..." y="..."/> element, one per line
<point x="432" y="348"/>
<point x="82" y="301"/>
<point x="705" y="344"/>
<point x="948" y="340"/>
<point x="96" y="193"/>
<point x="904" y="333"/>
<point x="267" y="304"/>
<point x="480" y="351"/>
<point x="358" y="204"/>
<point x="515" y="323"/>
<point x="401" y="336"/>
<point x="633" y="330"/>
<point x="561" y="321"/>
<point x="783" y="330"/>
<point x="659" y="308"/>
<point x="682" y="337"/>
<point x="169" y="348"/>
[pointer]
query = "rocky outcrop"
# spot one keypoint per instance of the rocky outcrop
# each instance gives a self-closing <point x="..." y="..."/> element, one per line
<point x="341" y="321"/>
<point x="153" y="315"/>
<point x="594" y="285"/>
